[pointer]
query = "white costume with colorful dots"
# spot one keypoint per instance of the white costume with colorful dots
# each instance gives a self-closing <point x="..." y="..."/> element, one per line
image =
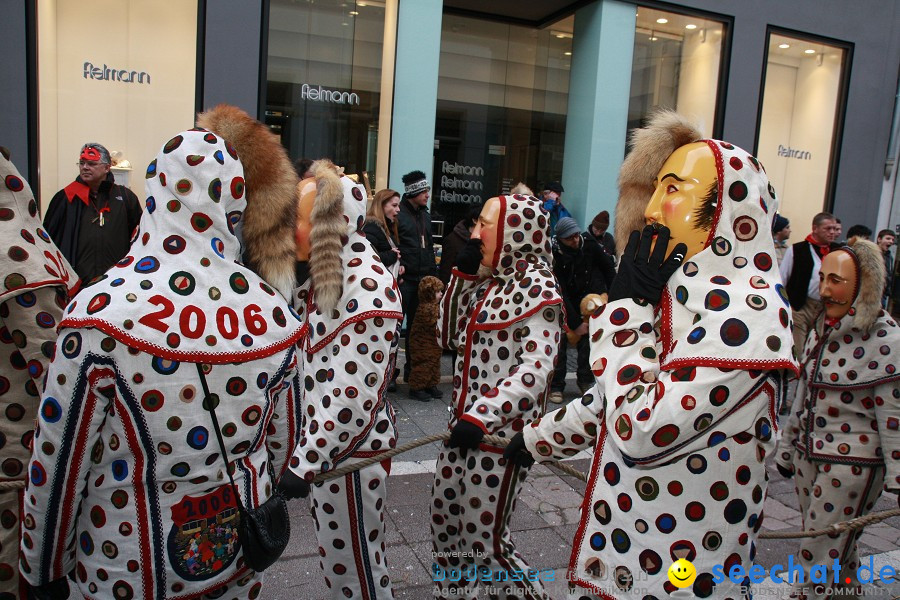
<point x="34" y="289"/>
<point x="506" y="331"/>
<point x="843" y="439"/>
<point x="127" y="486"/>
<point x="346" y="416"/>
<point x="683" y="412"/>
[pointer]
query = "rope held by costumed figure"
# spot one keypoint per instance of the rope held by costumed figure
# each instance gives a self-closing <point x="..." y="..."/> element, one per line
<point x="857" y="523"/>
<point x="438" y="437"/>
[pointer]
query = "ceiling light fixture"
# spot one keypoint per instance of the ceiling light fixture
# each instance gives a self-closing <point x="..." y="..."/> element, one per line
<point x="353" y="13"/>
<point x="690" y="26"/>
<point x="567" y="53"/>
<point x="809" y="51"/>
<point x="662" y="20"/>
<point x="784" y="46"/>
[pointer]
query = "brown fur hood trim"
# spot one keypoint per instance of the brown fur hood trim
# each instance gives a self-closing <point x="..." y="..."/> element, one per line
<point x="650" y="147"/>
<point x="271" y="214"/>
<point x="327" y="234"/>
<point x="871" y="283"/>
<point x="429" y="288"/>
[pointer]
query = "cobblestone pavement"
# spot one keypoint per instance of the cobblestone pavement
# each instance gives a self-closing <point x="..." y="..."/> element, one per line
<point x="543" y="525"/>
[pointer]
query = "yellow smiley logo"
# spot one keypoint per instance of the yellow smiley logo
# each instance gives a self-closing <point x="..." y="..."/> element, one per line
<point x="682" y="573"/>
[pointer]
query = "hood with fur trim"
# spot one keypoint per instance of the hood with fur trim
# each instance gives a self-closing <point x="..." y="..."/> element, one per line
<point x="858" y="350"/>
<point x="347" y="281"/>
<point x="650" y="147"/>
<point x="726" y="307"/>
<point x="267" y="227"/>
<point x="870" y="264"/>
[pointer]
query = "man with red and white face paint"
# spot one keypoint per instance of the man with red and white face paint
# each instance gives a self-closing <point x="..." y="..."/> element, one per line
<point x="842" y="438"/>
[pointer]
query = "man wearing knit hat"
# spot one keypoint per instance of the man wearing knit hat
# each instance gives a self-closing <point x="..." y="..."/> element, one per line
<point x="581" y="267"/>
<point x="416" y="248"/>
<point x="598" y="231"/>
<point x="781" y="231"/>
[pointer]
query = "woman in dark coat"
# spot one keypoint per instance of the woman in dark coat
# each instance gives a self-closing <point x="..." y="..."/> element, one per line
<point x="381" y="229"/>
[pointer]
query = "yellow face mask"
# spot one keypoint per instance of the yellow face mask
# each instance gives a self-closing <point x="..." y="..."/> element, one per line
<point x="486" y="229"/>
<point x="682" y="184"/>
<point x="307" y="189"/>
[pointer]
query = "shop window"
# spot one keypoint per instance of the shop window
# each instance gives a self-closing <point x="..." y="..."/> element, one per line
<point x="324" y="80"/>
<point x="501" y="110"/>
<point x="117" y="73"/>
<point x="676" y="65"/>
<point x="799" y="123"/>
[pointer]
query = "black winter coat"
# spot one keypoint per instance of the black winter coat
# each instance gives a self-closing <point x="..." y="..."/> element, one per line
<point x="587" y="270"/>
<point x="376" y="236"/>
<point x="416" y="245"/>
<point x="453" y="243"/>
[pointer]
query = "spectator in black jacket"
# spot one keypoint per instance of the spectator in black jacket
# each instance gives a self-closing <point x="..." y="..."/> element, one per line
<point x="416" y="248"/>
<point x="598" y="230"/>
<point x="581" y="267"/>
<point x="456" y="239"/>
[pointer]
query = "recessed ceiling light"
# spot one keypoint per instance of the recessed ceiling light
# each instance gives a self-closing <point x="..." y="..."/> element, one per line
<point x="653" y="38"/>
<point x="560" y="36"/>
<point x="662" y="20"/>
<point x="690" y="26"/>
<point x="784" y="46"/>
<point x="353" y="13"/>
<point x="809" y="51"/>
<point x="567" y="53"/>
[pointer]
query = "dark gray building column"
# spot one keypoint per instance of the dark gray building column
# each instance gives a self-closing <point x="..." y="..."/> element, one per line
<point x="14" y="95"/>
<point x="231" y="54"/>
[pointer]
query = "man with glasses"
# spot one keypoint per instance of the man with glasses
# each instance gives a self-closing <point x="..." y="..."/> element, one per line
<point x="92" y="219"/>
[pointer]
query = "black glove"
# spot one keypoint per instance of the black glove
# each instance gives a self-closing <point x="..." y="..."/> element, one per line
<point x="785" y="472"/>
<point x="642" y="274"/>
<point x="58" y="588"/>
<point x="469" y="257"/>
<point x="517" y="452"/>
<point x="465" y="436"/>
<point x="292" y="486"/>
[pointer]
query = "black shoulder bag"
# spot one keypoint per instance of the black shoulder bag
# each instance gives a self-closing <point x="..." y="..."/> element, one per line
<point x="263" y="531"/>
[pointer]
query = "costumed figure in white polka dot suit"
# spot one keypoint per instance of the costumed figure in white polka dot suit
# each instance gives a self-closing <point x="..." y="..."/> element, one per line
<point x="37" y="282"/>
<point x="351" y="305"/>
<point x="842" y="443"/>
<point x="502" y="313"/>
<point x="689" y="357"/>
<point x="127" y="489"/>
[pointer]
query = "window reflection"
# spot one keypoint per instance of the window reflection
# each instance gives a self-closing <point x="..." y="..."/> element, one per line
<point x="797" y="124"/>
<point x="324" y="79"/>
<point x="676" y="66"/>
<point x="501" y="111"/>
